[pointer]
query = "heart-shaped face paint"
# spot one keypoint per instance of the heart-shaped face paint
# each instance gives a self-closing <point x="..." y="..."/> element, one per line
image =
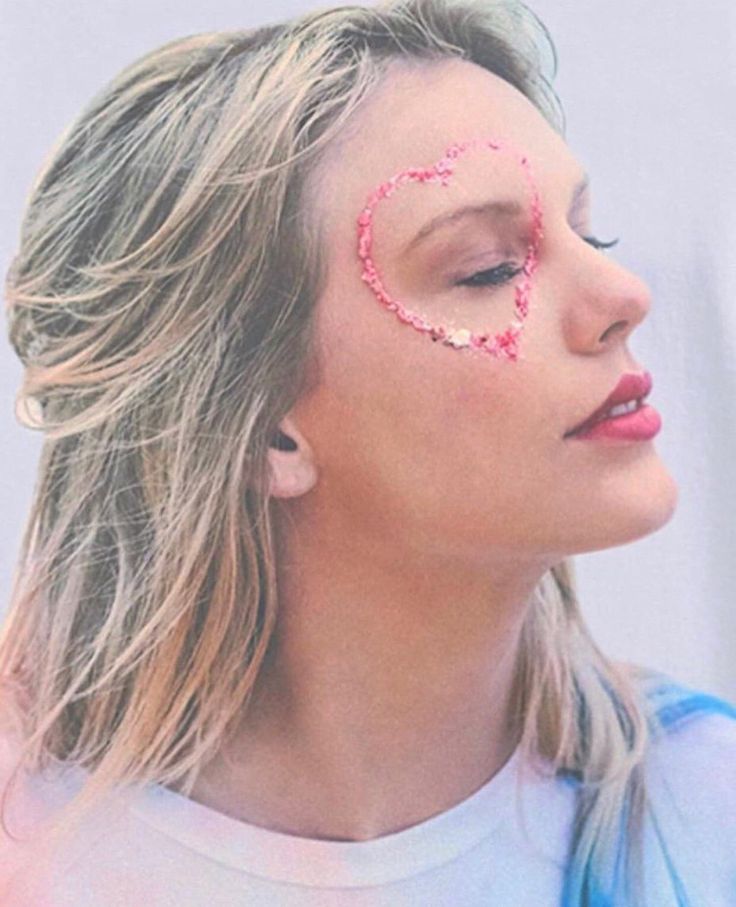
<point x="501" y="345"/>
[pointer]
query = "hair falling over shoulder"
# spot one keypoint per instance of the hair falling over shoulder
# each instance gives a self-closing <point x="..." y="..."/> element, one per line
<point x="161" y="302"/>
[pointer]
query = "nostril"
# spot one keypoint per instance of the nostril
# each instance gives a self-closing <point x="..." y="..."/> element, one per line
<point x="618" y="325"/>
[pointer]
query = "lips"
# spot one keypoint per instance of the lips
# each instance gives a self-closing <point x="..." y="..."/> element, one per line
<point x="631" y="386"/>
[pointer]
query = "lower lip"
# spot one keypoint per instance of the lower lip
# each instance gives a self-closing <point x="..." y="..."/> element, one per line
<point x="640" y="425"/>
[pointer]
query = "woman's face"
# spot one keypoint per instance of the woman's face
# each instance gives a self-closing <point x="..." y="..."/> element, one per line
<point x="449" y="452"/>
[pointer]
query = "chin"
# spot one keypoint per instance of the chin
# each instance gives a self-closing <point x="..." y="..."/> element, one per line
<point x="634" y="514"/>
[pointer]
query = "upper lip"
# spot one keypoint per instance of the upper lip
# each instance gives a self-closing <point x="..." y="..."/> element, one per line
<point x="631" y="386"/>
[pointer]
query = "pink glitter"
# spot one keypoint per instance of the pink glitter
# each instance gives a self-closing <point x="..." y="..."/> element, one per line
<point x="503" y="345"/>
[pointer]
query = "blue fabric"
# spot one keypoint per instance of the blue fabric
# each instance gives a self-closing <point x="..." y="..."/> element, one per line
<point x="670" y="704"/>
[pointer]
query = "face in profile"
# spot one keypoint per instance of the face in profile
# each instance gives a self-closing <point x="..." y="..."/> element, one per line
<point x="439" y="449"/>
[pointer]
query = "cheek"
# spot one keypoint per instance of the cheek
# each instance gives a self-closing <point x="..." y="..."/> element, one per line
<point x="411" y="433"/>
<point x="467" y="412"/>
<point x="396" y="386"/>
<point x="409" y="403"/>
<point x="480" y="394"/>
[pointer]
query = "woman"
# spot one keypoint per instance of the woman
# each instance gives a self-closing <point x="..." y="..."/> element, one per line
<point x="317" y="332"/>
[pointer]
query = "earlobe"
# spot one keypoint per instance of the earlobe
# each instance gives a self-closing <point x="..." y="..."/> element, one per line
<point x="293" y="471"/>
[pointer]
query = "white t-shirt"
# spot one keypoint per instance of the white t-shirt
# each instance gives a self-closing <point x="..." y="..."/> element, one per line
<point x="161" y="848"/>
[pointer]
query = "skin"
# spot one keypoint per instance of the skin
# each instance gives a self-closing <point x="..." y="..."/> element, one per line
<point x="431" y="488"/>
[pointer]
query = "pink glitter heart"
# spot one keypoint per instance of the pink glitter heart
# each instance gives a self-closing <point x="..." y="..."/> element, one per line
<point x="503" y="345"/>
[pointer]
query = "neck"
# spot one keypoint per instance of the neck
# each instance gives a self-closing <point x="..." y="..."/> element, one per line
<point x="386" y="695"/>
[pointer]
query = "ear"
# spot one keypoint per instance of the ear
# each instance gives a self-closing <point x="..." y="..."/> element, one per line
<point x="291" y="462"/>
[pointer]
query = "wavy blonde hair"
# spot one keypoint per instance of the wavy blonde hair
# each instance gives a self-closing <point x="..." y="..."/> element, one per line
<point x="162" y="302"/>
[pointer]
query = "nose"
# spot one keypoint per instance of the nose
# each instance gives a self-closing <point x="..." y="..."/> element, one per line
<point x="604" y="302"/>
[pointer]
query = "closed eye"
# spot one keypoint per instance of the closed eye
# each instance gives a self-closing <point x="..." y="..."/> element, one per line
<point x="598" y="244"/>
<point x="497" y="276"/>
<point x="506" y="271"/>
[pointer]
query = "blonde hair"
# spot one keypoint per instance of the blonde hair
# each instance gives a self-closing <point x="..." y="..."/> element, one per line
<point x="161" y="300"/>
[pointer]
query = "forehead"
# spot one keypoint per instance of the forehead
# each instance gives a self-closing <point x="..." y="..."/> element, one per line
<point x="411" y="118"/>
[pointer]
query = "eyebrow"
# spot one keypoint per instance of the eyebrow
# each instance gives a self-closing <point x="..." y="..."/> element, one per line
<point x="494" y="208"/>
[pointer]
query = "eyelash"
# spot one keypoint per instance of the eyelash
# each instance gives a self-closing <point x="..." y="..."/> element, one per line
<point x="497" y="276"/>
<point x="598" y="244"/>
<point x="505" y="272"/>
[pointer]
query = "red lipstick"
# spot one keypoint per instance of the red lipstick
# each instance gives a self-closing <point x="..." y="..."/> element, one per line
<point x="641" y="423"/>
